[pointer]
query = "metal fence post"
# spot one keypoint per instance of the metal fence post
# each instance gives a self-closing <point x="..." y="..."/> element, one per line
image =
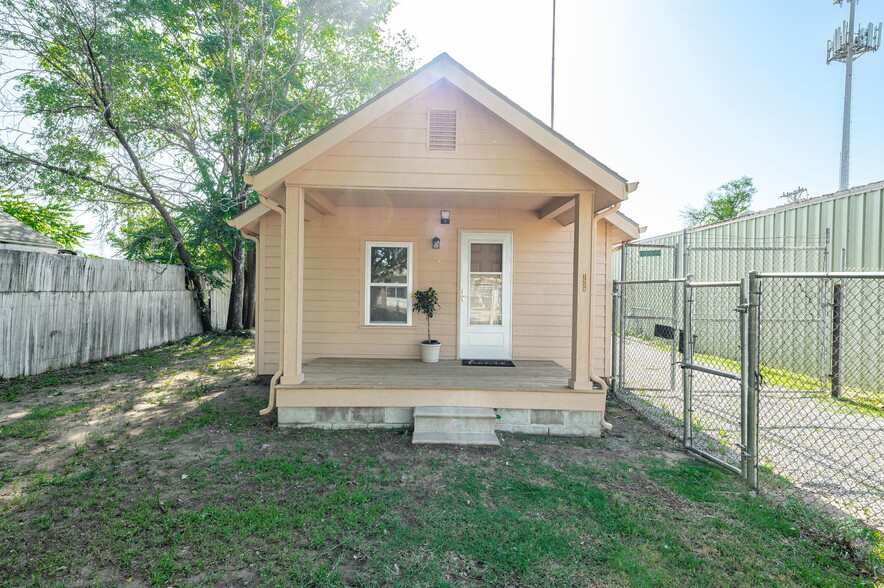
<point x="837" y="332"/>
<point x="744" y="376"/>
<point x="685" y="253"/>
<point x="687" y="358"/>
<point x="835" y="376"/>
<point x="753" y="374"/>
<point x="615" y="337"/>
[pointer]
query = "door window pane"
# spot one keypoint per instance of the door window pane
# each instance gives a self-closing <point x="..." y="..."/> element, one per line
<point x="486" y="296"/>
<point x="486" y="257"/>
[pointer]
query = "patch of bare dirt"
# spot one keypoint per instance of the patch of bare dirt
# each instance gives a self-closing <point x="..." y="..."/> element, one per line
<point x="118" y="404"/>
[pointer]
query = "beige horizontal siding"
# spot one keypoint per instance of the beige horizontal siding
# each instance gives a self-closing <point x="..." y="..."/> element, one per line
<point x="334" y="283"/>
<point x="270" y="303"/>
<point x="333" y="289"/>
<point x="392" y="152"/>
<point x="601" y="339"/>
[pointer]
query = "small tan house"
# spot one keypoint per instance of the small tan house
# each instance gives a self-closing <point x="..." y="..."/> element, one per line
<point x="453" y="186"/>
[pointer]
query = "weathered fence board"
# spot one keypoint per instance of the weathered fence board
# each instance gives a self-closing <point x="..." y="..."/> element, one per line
<point x="58" y="311"/>
<point x="40" y="272"/>
<point x="219" y="300"/>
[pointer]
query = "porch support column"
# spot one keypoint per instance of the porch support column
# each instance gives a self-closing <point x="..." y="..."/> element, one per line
<point x="581" y="304"/>
<point x="294" y="285"/>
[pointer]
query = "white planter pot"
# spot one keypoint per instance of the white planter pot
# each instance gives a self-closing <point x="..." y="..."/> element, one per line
<point x="430" y="352"/>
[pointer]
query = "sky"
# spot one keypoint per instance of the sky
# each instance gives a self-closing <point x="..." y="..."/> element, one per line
<point x="681" y="96"/>
<point x="678" y="95"/>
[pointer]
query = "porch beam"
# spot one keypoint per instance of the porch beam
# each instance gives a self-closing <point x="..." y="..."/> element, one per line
<point x="294" y="286"/>
<point x="321" y="202"/>
<point x="581" y="303"/>
<point x="555" y="207"/>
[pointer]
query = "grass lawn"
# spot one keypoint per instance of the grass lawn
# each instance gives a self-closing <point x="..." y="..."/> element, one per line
<point x="155" y="469"/>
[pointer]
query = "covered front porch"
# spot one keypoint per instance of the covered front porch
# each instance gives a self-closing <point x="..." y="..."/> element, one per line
<point x="532" y="397"/>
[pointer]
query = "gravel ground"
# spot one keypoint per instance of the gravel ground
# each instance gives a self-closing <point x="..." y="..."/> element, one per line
<point x="825" y="449"/>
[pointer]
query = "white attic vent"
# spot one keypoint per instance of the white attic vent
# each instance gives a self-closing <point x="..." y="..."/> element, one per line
<point x="442" y="130"/>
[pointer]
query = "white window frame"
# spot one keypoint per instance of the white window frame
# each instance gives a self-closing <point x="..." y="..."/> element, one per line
<point x="368" y="283"/>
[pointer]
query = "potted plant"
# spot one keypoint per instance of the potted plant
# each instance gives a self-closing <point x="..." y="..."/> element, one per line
<point x="426" y="302"/>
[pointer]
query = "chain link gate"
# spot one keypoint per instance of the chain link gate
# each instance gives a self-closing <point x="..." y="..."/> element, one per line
<point x="714" y="365"/>
<point x="751" y="396"/>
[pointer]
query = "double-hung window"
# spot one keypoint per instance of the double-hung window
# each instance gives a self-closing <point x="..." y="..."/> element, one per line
<point x="388" y="283"/>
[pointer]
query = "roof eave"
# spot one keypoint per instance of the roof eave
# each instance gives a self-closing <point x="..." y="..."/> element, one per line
<point x="441" y="67"/>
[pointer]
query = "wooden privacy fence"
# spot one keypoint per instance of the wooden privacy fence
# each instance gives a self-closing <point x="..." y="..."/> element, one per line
<point x="57" y="310"/>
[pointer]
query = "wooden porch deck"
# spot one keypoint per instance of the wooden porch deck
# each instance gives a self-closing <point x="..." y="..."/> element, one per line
<point x="340" y="382"/>
<point x="445" y="375"/>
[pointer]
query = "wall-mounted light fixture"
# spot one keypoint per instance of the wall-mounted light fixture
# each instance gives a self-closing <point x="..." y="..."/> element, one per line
<point x="437" y="242"/>
<point x="445" y="217"/>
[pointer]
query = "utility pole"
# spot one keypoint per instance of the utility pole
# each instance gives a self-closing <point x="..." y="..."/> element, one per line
<point x="846" y="46"/>
<point x="552" y="85"/>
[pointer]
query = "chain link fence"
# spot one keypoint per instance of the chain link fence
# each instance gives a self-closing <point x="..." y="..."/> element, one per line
<point x="821" y="389"/>
<point x="719" y="258"/>
<point x="776" y="376"/>
<point x="648" y="333"/>
<point x="649" y="336"/>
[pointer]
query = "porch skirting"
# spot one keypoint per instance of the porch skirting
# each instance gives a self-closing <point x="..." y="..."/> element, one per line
<point x="581" y="423"/>
<point x="350" y="393"/>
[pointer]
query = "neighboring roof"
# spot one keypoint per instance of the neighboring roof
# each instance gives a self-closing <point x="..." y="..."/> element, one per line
<point x="16" y="232"/>
<point x="441" y="67"/>
<point x="879" y="185"/>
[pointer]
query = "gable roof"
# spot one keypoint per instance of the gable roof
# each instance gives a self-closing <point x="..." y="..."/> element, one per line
<point x="15" y="232"/>
<point x="442" y="67"/>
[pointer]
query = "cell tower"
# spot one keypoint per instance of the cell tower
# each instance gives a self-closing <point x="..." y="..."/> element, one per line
<point x="846" y="46"/>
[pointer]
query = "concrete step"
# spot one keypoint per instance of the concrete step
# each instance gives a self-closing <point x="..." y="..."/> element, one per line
<point x="476" y="439"/>
<point x="454" y="425"/>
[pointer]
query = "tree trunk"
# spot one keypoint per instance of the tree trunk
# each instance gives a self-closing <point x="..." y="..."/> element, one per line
<point x="196" y="284"/>
<point x="237" y="288"/>
<point x="248" y="312"/>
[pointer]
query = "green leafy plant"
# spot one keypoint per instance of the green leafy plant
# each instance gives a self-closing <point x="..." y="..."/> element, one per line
<point x="426" y="302"/>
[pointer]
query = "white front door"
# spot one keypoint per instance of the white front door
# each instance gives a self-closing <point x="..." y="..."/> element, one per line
<point x="485" y="326"/>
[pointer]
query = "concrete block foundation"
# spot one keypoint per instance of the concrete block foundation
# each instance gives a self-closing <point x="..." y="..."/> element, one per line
<point x="577" y="423"/>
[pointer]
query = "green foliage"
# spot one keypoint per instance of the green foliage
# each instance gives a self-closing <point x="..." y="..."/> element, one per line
<point x="144" y="237"/>
<point x="53" y="220"/>
<point x="426" y="302"/>
<point x="732" y="199"/>
<point x="150" y="113"/>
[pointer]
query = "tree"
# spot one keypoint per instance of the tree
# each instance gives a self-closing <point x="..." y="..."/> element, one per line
<point x="732" y="199"/>
<point x="53" y="220"/>
<point x="87" y="114"/>
<point x="151" y="112"/>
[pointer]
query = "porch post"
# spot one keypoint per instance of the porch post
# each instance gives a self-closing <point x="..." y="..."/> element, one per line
<point x="581" y="304"/>
<point x="294" y="285"/>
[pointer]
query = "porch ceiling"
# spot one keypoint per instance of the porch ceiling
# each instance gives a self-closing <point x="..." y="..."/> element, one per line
<point x="545" y="205"/>
<point x="437" y="199"/>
